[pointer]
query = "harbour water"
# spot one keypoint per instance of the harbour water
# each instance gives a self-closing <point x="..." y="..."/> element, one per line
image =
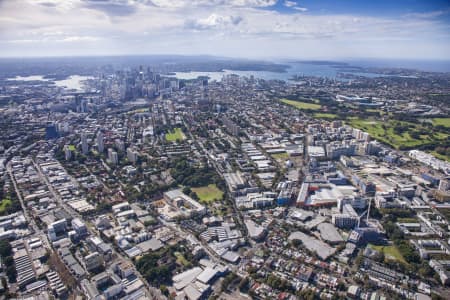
<point x="295" y="69"/>
<point x="73" y="82"/>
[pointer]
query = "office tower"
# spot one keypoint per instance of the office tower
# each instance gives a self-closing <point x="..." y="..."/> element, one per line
<point x="120" y="145"/>
<point x="113" y="156"/>
<point x="132" y="155"/>
<point x="84" y="144"/>
<point x="100" y="144"/>
<point x="67" y="152"/>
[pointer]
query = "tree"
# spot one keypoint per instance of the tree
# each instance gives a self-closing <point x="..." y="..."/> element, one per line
<point x="187" y="190"/>
<point x="8" y="261"/>
<point x="425" y="270"/>
<point x="4" y="283"/>
<point x="227" y="281"/>
<point x="243" y="285"/>
<point x="103" y="207"/>
<point x="379" y="256"/>
<point x="11" y="273"/>
<point x="307" y="294"/>
<point x="5" y="248"/>
<point x="296" y="243"/>
<point x="164" y="289"/>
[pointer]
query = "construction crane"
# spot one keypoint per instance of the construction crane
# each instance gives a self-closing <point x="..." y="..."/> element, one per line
<point x="367" y="211"/>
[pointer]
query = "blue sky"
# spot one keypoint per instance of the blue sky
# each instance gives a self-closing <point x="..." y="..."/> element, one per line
<point x="306" y="29"/>
<point x="374" y="8"/>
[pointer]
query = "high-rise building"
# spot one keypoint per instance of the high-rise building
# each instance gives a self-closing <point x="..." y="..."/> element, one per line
<point x="100" y="143"/>
<point x="84" y="143"/>
<point x="444" y="185"/>
<point x="84" y="106"/>
<point x="67" y="152"/>
<point x="93" y="261"/>
<point x="79" y="227"/>
<point x="120" y="145"/>
<point x="113" y="156"/>
<point x="132" y="155"/>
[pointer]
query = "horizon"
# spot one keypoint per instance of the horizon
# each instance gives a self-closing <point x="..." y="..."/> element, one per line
<point x="240" y="29"/>
<point x="425" y="65"/>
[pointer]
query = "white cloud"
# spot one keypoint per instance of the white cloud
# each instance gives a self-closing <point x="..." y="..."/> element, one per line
<point x="288" y="3"/>
<point x="302" y="9"/>
<point x="196" y="3"/>
<point x="428" y="15"/>
<point x="217" y="27"/>
<point x="214" y="21"/>
<point x="294" y="5"/>
<point x="80" y="39"/>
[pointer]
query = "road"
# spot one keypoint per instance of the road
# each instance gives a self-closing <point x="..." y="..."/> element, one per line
<point x="153" y="292"/>
<point x="213" y="256"/>
<point x="218" y="171"/>
<point x="29" y="219"/>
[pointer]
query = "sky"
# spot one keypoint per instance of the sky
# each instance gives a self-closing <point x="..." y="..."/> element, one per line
<point x="261" y="29"/>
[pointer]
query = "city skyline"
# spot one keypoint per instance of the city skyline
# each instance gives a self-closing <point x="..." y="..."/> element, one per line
<point x="224" y="149"/>
<point x="263" y="29"/>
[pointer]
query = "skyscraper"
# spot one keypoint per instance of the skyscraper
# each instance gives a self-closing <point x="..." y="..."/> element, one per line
<point x="100" y="144"/>
<point x="67" y="152"/>
<point x="132" y="155"/>
<point x="84" y="144"/>
<point x="113" y="157"/>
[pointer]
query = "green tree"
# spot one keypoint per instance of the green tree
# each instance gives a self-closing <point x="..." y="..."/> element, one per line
<point x="4" y="283"/>
<point x="5" y="248"/>
<point x="8" y="261"/>
<point x="11" y="273"/>
<point x="187" y="190"/>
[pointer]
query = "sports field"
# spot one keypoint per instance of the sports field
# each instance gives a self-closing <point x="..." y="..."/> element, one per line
<point x="176" y="134"/>
<point x="325" y="116"/>
<point x="209" y="193"/>
<point x="390" y="252"/>
<point x="301" y="105"/>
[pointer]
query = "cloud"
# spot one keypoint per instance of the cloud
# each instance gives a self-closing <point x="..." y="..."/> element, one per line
<point x="217" y="27"/>
<point x="112" y="8"/>
<point x="428" y="15"/>
<point x="80" y="39"/>
<point x="302" y="9"/>
<point x="290" y="3"/>
<point x="213" y="21"/>
<point x="48" y="4"/>
<point x="253" y="3"/>
<point x="211" y="3"/>
<point x="294" y="5"/>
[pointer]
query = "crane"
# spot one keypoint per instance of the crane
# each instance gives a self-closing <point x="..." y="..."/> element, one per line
<point x="367" y="211"/>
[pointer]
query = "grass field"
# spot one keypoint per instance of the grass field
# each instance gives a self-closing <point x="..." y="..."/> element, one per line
<point x="373" y="110"/>
<point x="181" y="260"/>
<point x="4" y="204"/>
<point x="407" y="220"/>
<point x="280" y="156"/>
<point x="325" y="116"/>
<point x="442" y="121"/>
<point x="384" y="132"/>
<point x="390" y="252"/>
<point x="140" y="110"/>
<point x="208" y="194"/>
<point x="71" y="147"/>
<point x="176" y="134"/>
<point x="440" y="156"/>
<point x="301" y="105"/>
